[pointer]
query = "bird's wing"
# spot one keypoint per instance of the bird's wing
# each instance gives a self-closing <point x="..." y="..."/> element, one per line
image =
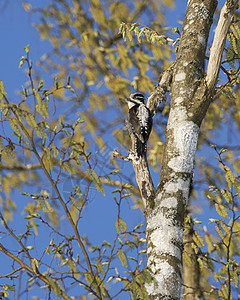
<point x="135" y="124"/>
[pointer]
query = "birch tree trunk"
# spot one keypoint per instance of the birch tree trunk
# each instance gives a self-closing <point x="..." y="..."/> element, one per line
<point x="191" y="94"/>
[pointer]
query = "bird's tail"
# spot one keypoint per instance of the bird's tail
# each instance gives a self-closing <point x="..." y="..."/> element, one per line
<point x="141" y="148"/>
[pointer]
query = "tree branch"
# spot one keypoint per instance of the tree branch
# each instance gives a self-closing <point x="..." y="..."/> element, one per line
<point x="15" y="237"/>
<point x="218" y="44"/>
<point x="159" y="94"/>
<point x="19" y="167"/>
<point x="144" y="180"/>
<point x="11" y="273"/>
<point x="35" y="273"/>
<point x="78" y="171"/>
<point x="140" y="164"/>
<point x="63" y="204"/>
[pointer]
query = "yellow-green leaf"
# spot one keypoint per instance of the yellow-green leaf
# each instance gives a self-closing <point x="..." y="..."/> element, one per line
<point x="219" y="232"/>
<point x="221" y="210"/>
<point x="97" y="182"/>
<point x="49" y="208"/>
<point x="35" y="265"/>
<point x="14" y="126"/>
<point x="100" y="267"/>
<point x="55" y="151"/>
<point x="2" y="89"/>
<point x="209" y="243"/>
<point x="120" y="225"/>
<point x="55" y="286"/>
<point x="198" y="239"/>
<point x="227" y="195"/>
<point x="31" y="120"/>
<point x="122" y="258"/>
<point x="229" y="176"/>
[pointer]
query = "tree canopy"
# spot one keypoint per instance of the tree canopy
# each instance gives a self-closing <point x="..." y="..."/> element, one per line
<point x="72" y="214"/>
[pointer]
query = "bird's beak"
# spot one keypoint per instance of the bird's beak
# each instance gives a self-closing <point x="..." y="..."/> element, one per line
<point x="125" y="99"/>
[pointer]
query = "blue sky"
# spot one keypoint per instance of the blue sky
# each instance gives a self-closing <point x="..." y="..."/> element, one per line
<point x="16" y="32"/>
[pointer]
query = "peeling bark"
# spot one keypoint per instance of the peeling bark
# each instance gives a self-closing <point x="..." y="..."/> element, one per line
<point x="219" y="41"/>
<point x="159" y="95"/>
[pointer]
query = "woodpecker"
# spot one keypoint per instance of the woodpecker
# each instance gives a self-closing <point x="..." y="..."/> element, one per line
<point x="138" y="123"/>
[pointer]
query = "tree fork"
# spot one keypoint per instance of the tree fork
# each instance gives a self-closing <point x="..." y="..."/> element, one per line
<point x="191" y="96"/>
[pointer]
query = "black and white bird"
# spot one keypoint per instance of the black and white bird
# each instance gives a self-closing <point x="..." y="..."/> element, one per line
<point x="138" y="123"/>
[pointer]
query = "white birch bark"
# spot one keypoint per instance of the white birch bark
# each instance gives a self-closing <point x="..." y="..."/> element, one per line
<point x="191" y="96"/>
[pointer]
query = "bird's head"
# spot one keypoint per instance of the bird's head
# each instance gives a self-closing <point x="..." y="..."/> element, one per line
<point x="135" y="99"/>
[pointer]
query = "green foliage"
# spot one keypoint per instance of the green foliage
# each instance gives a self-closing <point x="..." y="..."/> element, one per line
<point x="232" y="59"/>
<point x="219" y="259"/>
<point x="99" y="56"/>
<point x="57" y="148"/>
<point x="97" y="182"/>
<point x="151" y="35"/>
<point x="121" y="226"/>
<point x="5" y="288"/>
<point x="58" y="129"/>
<point x="233" y="37"/>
